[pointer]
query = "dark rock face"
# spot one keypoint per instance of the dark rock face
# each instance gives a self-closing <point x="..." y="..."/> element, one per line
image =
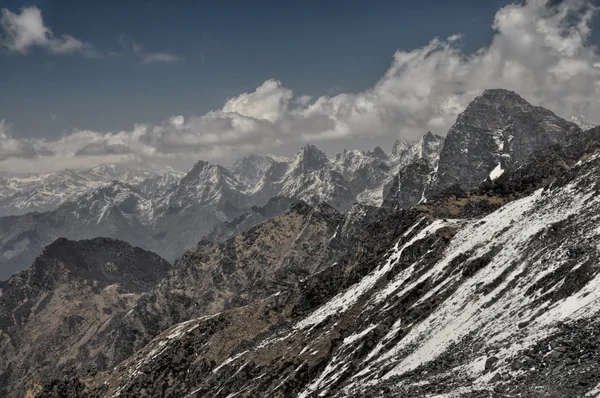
<point x="410" y="185"/>
<point x="497" y="128"/>
<point x="72" y="289"/>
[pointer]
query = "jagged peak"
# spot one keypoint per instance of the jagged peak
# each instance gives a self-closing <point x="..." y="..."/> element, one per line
<point x="377" y="152"/>
<point x="309" y="149"/>
<point x="399" y="147"/>
<point x="309" y="158"/>
<point x="206" y="169"/>
<point x="429" y="136"/>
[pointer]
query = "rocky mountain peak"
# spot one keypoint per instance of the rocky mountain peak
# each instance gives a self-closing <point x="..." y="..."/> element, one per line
<point x="498" y="129"/>
<point x="206" y="176"/>
<point x="309" y="158"/>
<point x="197" y="169"/>
<point x="72" y="288"/>
<point x="501" y="96"/>
<point x="430" y="146"/>
<point x="379" y="153"/>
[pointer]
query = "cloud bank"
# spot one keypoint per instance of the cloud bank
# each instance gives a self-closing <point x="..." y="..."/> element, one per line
<point x="540" y="49"/>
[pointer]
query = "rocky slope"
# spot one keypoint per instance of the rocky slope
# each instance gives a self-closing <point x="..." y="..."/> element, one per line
<point x="49" y="312"/>
<point x="498" y="131"/>
<point x="476" y="293"/>
<point x="487" y="286"/>
<point x="211" y="278"/>
<point x="256" y="215"/>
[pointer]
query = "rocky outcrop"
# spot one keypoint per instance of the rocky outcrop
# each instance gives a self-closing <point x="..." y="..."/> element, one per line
<point x="499" y="130"/>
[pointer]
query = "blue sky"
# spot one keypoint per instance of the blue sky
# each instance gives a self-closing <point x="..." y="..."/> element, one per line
<point x="226" y="47"/>
<point x="169" y="82"/>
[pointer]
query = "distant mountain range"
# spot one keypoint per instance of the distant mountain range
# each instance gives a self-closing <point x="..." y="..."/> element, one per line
<point x="169" y="212"/>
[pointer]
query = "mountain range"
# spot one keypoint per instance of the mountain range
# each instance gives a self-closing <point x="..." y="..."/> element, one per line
<point x="169" y="212"/>
<point x="464" y="266"/>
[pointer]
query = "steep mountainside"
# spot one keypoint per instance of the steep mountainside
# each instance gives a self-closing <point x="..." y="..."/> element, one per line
<point x="214" y="277"/>
<point x="50" y="311"/>
<point x="476" y="293"/>
<point x="207" y="195"/>
<point x="410" y="185"/>
<point x="250" y="169"/>
<point x="498" y="131"/>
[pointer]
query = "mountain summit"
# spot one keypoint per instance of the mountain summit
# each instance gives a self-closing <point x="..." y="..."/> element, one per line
<point x="498" y="130"/>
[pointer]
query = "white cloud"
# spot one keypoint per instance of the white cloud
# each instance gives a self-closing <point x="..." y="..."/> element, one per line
<point x="539" y="50"/>
<point x="268" y="102"/>
<point x="20" y="32"/>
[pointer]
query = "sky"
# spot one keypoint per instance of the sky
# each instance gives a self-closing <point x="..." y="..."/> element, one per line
<point x="158" y="83"/>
